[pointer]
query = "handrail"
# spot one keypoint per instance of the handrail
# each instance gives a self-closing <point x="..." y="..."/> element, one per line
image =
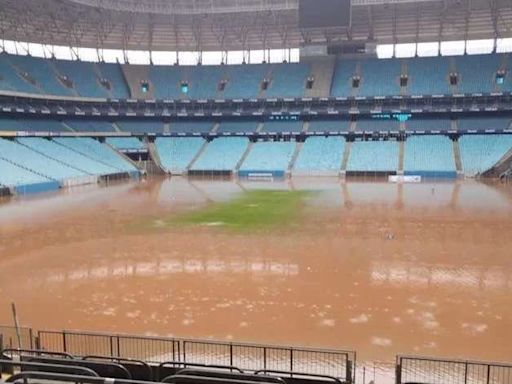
<point x="215" y="366"/>
<point x="121" y="360"/>
<point x="207" y="380"/>
<point x="37" y="351"/>
<point x="28" y="364"/>
<point x="88" y="362"/>
<point x="291" y="374"/>
<point x="227" y="375"/>
<point x="71" y="378"/>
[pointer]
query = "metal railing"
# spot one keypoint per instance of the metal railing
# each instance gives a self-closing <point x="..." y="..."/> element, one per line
<point x="9" y="338"/>
<point x="429" y="370"/>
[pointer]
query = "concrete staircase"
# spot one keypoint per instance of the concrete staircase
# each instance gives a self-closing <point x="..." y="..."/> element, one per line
<point x="401" y="155"/>
<point x="502" y="168"/>
<point x="298" y="147"/>
<point x="322" y="71"/>
<point x="244" y="156"/>
<point x="458" y="161"/>
<point x="134" y="74"/>
<point x="197" y="156"/>
<point x="344" y="160"/>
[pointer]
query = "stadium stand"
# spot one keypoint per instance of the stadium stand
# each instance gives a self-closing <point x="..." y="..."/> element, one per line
<point x="483" y="123"/>
<point x="429" y="156"/>
<point x="486" y="66"/>
<point x="238" y="126"/>
<point x="10" y="80"/>
<point x="89" y="125"/>
<point x="282" y="126"/>
<point x="99" y="152"/>
<point x="481" y="152"/>
<point x="428" y="76"/>
<point x="125" y="143"/>
<point x="377" y="125"/>
<point x="140" y="126"/>
<point x="244" y="81"/>
<point x="31" y="125"/>
<point x="176" y="154"/>
<point x="326" y="126"/>
<point x="41" y="71"/>
<point x="373" y="156"/>
<point x="222" y="154"/>
<point x="271" y="157"/>
<point x="22" y="179"/>
<point x="191" y="126"/>
<point x="287" y="80"/>
<point x="166" y="82"/>
<point x="37" y="163"/>
<point x="65" y="155"/>
<point x="380" y="77"/>
<point x="115" y="77"/>
<point x="342" y="81"/>
<point x="320" y="156"/>
<point x="83" y="76"/>
<point x="428" y="125"/>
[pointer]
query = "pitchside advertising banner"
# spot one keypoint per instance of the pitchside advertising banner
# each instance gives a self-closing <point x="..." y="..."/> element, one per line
<point x="324" y="13"/>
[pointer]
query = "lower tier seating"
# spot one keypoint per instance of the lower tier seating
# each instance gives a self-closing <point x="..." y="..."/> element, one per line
<point x="481" y="152"/>
<point x="373" y="156"/>
<point x="429" y="155"/>
<point x="125" y="143"/>
<point x="269" y="156"/>
<point x="176" y="154"/>
<point x="222" y="154"/>
<point x="320" y="154"/>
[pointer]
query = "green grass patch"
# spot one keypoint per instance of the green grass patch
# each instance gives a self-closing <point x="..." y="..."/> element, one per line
<point x="254" y="210"/>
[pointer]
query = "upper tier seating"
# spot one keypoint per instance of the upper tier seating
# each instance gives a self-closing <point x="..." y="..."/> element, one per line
<point x="12" y="175"/>
<point x="176" y="154"/>
<point x="479" y="153"/>
<point x="114" y="74"/>
<point x="67" y="156"/>
<point x="191" y="126"/>
<point x="222" y="154"/>
<point x="342" y="79"/>
<point x="31" y="125"/>
<point x="380" y="77"/>
<point x="377" y="125"/>
<point x="238" y="126"/>
<point x="83" y="76"/>
<point x="42" y="71"/>
<point x="428" y="76"/>
<point x="282" y="126"/>
<point x="36" y="162"/>
<point x="428" y="125"/>
<point x="269" y="156"/>
<point x="90" y="125"/>
<point x="429" y="156"/>
<point x="320" y="153"/>
<point x="329" y="126"/>
<point x="287" y="80"/>
<point x="125" y="143"/>
<point x="244" y="81"/>
<point x="10" y="80"/>
<point x="98" y="151"/>
<point x="141" y="126"/>
<point x="483" y="123"/>
<point x="477" y="74"/>
<point x="373" y="156"/>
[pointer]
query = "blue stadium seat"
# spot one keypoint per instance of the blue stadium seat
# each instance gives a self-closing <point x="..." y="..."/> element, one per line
<point x="89" y="125"/>
<point x="114" y="74"/>
<point x="238" y="126"/>
<point x="176" y="154"/>
<point x="141" y="126"/>
<point x="342" y="80"/>
<point x="282" y="126"/>
<point x="191" y="126"/>
<point x="10" y="80"/>
<point x="269" y="156"/>
<point x="12" y="175"/>
<point x="428" y="125"/>
<point x="373" y="156"/>
<point x="125" y="143"/>
<point x="377" y="125"/>
<point x="287" y="80"/>
<point x="479" y="153"/>
<point x="329" y="126"/>
<point x="428" y="76"/>
<point x="429" y="156"/>
<point x="222" y="154"/>
<point x="481" y="123"/>
<point x="380" y="77"/>
<point x="320" y="154"/>
<point x="244" y="81"/>
<point x="85" y="79"/>
<point x="477" y="73"/>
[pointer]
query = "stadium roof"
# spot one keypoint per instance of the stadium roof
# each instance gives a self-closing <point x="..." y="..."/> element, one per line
<point x="205" y="25"/>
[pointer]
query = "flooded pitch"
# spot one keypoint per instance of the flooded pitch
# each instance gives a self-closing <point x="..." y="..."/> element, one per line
<point x="375" y="267"/>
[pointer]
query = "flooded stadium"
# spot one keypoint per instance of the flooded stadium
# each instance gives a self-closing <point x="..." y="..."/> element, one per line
<point x="375" y="267"/>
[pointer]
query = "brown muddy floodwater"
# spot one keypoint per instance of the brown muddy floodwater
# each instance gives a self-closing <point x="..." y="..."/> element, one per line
<point x="375" y="267"/>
